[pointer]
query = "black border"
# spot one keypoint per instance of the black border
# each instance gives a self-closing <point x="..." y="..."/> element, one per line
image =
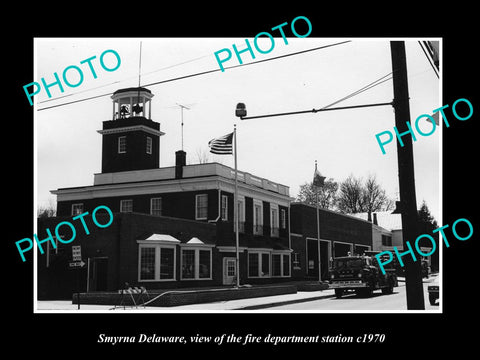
<point x="405" y="333"/>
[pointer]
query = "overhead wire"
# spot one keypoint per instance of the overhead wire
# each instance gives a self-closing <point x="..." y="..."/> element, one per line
<point x="369" y="86"/>
<point x="429" y="59"/>
<point x="203" y="73"/>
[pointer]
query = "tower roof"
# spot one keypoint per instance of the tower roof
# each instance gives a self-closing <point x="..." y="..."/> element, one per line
<point x="119" y="91"/>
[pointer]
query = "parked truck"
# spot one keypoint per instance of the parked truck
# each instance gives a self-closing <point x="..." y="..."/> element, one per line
<point x="361" y="274"/>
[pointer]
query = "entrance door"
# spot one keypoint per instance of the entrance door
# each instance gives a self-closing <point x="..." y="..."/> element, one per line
<point x="98" y="274"/>
<point x="312" y="258"/>
<point x="229" y="271"/>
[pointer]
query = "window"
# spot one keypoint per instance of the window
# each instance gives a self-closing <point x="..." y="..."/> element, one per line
<point x="196" y="264"/>
<point x="122" y="144"/>
<point x="281" y="265"/>
<point x="224" y="207"/>
<point x="188" y="264"/>
<point x="167" y="263"/>
<point x="149" y="145"/>
<point x="77" y="209"/>
<point x="156" y="263"/>
<point x="156" y="206"/>
<point x="276" y="265"/>
<point x="274" y="220"/>
<point x="204" y="264"/>
<point x="201" y="207"/>
<point x="126" y="205"/>
<point x="283" y="219"/>
<point x="241" y="214"/>
<point x="386" y="240"/>
<point x="147" y="263"/>
<point x="258" y="264"/>
<point x="257" y="217"/>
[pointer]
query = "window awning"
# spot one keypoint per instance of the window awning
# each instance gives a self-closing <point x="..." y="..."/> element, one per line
<point x="164" y="238"/>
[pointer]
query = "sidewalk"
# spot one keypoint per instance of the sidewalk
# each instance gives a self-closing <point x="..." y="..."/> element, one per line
<point x="241" y="304"/>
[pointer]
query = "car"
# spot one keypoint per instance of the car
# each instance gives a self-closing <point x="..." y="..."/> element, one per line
<point x="433" y="290"/>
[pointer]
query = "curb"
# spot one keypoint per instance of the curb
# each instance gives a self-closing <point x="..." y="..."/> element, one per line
<point x="285" y="302"/>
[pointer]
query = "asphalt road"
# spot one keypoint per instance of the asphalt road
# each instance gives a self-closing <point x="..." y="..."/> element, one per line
<point x="352" y="302"/>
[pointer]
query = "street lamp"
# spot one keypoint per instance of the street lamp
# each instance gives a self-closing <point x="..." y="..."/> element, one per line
<point x="241" y="110"/>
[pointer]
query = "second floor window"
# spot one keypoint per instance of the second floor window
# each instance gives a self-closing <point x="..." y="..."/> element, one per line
<point x="201" y="207"/>
<point x="283" y="219"/>
<point x="126" y="205"/>
<point x="156" y="206"/>
<point x="257" y="218"/>
<point x="224" y="207"/>
<point x="77" y="209"/>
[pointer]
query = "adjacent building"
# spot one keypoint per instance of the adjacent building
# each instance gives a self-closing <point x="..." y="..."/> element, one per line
<point x="340" y="235"/>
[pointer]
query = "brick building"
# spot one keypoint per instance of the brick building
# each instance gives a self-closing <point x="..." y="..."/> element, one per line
<point x="340" y="235"/>
<point x="173" y="226"/>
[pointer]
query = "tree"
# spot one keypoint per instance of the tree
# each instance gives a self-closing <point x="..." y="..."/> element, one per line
<point x="426" y="221"/>
<point x="426" y="225"/>
<point x="356" y="196"/>
<point x="327" y="194"/>
<point x="46" y="211"/>
<point x="374" y="197"/>
<point x="350" y="196"/>
<point x="202" y="156"/>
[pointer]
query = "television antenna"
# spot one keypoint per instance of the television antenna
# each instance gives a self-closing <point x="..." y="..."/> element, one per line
<point x="181" y="110"/>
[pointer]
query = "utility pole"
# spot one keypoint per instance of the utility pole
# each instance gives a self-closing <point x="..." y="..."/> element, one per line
<point x="406" y="177"/>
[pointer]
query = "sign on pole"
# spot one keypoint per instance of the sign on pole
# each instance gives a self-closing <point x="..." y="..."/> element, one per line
<point x="77" y="253"/>
<point x="76" y="264"/>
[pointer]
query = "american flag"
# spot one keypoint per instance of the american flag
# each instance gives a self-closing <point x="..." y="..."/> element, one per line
<point x="222" y="145"/>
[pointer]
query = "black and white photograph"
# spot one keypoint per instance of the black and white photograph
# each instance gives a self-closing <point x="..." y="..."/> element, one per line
<point x="269" y="183"/>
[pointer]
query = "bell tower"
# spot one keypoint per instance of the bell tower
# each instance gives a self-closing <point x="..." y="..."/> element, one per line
<point x="131" y="140"/>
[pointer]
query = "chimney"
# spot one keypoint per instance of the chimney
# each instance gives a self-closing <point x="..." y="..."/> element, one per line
<point x="180" y="162"/>
<point x="375" y="219"/>
<point x="369" y="216"/>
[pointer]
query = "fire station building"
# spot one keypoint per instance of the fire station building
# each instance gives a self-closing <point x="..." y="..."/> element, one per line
<point x="173" y="226"/>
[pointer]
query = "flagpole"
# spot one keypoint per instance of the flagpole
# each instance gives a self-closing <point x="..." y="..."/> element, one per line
<point x="318" y="231"/>
<point x="235" y="210"/>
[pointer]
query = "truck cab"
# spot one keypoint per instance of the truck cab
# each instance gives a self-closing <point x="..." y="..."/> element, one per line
<point x="360" y="274"/>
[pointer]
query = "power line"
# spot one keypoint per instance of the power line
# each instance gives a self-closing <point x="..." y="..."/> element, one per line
<point x="371" y="85"/>
<point x="429" y="59"/>
<point x="204" y="73"/>
<point x="119" y="81"/>
<point x="365" y="88"/>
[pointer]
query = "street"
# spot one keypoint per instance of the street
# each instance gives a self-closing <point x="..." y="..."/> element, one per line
<point x="352" y="302"/>
<point x="301" y="301"/>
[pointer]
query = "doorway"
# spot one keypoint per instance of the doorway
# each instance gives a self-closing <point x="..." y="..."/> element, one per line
<point x="312" y="258"/>
<point x="229" y="270"/>
<point x="98" y="274"/>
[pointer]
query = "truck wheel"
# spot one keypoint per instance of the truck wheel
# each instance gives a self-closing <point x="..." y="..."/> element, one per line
<point x="387" y="290"/>
<point x="338" y="293"/>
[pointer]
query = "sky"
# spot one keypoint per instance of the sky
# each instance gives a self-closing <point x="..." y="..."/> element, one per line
<point x="281" y="149"/>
